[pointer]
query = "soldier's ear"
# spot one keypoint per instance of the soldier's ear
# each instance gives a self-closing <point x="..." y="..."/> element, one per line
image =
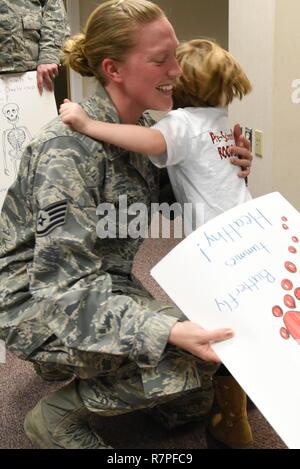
<point x="111" y="69"/>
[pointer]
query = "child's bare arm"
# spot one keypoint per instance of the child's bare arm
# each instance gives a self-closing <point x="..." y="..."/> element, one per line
<point x="131" y="137"/>
<point x="73" y="115"/>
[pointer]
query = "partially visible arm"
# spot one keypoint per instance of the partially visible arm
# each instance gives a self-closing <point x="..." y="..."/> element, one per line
<point x="46" y="73"/>
<point x="54" y="32"/>
<point x="193" y="338"/>
<point x="241" y="153"/>
<point x="131" y="137"/>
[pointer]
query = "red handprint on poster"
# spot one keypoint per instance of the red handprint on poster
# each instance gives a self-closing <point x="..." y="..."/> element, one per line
<point x="291" y="319"/>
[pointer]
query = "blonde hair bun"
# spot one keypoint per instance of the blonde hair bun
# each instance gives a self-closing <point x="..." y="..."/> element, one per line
<point x="74" y="55"/>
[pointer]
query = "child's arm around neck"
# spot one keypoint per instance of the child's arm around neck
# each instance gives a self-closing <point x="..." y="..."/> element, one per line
<point x="131" y="137"/>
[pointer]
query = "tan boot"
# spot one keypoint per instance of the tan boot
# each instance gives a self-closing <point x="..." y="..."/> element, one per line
<point x="229" y="426"/>
<point x="60" y="421"/>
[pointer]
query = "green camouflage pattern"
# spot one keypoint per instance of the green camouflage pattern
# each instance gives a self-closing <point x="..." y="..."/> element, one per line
<point x="31" y="34"/>
<point x="193" y="406"/>
<point x="67" y="297"/>
<point x="60" y="421"/>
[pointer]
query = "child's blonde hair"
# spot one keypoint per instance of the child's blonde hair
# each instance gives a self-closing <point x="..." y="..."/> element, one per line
<point x="211" y="76"/>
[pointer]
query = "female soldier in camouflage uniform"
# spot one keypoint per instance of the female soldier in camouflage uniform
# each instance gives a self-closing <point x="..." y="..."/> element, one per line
<point x="68" y="299"/>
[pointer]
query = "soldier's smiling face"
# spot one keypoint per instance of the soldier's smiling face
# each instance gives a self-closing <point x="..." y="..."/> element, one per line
<point x="149" y="70"/>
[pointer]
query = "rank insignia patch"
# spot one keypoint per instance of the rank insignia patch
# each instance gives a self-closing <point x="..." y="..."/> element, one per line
<point x="51" y="217"/>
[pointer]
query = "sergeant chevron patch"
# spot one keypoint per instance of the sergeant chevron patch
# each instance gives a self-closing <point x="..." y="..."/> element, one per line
<point x="51" y="217"/>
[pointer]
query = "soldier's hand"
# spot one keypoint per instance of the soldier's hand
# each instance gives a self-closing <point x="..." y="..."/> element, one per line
<point x="73" y="114"/>
<point x="196" y="340"/>
<point x="46" y="74"/>
<point x="241" y="153"/>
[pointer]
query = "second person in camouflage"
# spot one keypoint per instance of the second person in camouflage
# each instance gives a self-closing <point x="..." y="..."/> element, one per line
<point x="68" y="301"/>
<point x="32" y="33"/>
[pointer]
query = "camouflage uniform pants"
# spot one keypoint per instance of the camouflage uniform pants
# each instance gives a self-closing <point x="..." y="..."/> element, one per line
<point x="121" y="389"/>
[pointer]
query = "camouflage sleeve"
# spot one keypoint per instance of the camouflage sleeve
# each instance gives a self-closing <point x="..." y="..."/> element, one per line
<point x="67" y="271"/>
<point x="54" y="32"/>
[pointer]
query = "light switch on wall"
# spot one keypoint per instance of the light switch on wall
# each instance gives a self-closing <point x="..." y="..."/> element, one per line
<point x="259" y="143"/>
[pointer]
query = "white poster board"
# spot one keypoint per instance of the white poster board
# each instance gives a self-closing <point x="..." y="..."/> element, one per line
<point x="23" y="112"/>
<point x="242" y="270"/>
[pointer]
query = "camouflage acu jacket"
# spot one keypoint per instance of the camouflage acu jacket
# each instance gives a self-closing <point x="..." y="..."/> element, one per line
<point x="56" y="275"/>
<point x="31" y="34"/>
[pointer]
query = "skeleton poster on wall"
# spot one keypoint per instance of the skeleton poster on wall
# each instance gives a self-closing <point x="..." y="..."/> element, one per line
<point x="23" y="112"/>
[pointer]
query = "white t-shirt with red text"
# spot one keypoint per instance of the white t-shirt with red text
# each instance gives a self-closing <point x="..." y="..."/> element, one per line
<point x="198" y="163"/>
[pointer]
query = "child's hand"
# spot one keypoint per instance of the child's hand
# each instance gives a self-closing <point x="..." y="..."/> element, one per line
<point x="73" y="114"/>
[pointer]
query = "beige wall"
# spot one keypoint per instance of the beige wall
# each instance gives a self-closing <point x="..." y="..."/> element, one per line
<point x="268" y="45"/>
<point x="191" y="18"/>
<point x="194" y="18"/>
<point x="251" y="41"/>
<point x="286" y="159"/>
